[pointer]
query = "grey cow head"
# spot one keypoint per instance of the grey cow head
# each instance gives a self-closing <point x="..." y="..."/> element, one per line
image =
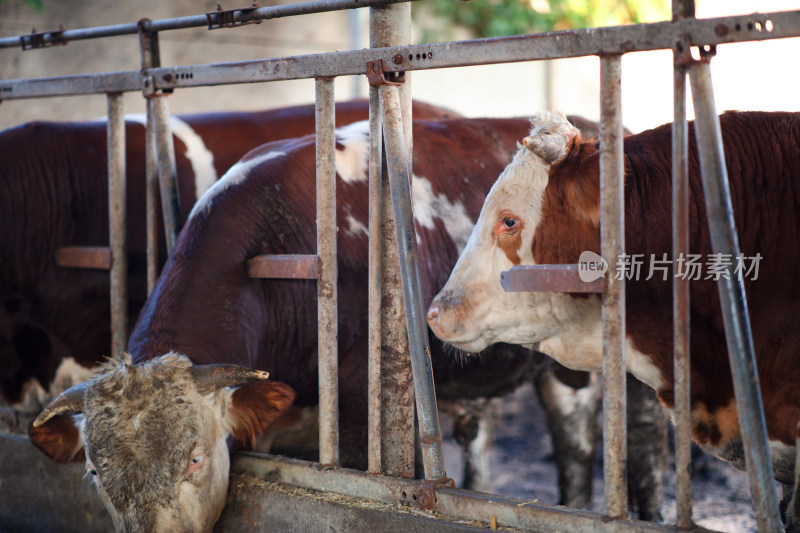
<point x="154" y="436"/>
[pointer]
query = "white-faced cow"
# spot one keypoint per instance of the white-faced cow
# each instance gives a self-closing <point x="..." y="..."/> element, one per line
<point x="544" y="209"/>
<point x="154" y="435"/>
<point x="206" y="306"/>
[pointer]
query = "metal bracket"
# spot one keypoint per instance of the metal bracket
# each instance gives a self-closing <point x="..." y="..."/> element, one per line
<point x="683" y="51"/>
<point x="375" y="75"/>
<point x="227" y="18"/>
<point x="36" y="39"/>
<point x="426" y="495"/>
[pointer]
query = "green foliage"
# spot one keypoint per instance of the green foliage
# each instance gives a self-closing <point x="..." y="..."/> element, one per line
<point x="36" y="5"/>
<point x="495" y="18"/>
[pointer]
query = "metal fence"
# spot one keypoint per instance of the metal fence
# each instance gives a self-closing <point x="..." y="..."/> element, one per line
<point x="384" y="64"/>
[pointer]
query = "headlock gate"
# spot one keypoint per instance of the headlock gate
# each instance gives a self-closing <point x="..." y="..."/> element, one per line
<point x="385" y="64"/>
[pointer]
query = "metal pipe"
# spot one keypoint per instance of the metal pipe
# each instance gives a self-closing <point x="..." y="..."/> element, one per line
<point x="430" y="436"/>
<point x="374" y="463"/>
<point x="680" y="288"/>
<point x="612" y="235"/>
<point x="167" y="171"/>
<point x="390" y="25"/>
<point x="553" y="45"/>
<point x="117" y="234"/>
<point x="196" y="21"/>
<point x="151" y="198"/>
<point x="327" y="290"/>
<point x="733" y="299"/>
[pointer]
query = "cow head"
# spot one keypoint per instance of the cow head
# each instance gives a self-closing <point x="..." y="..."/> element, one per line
<point x="528" y="217"/>
<point x="153" y="436"/>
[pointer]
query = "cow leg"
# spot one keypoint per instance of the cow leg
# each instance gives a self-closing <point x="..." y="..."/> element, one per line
<point x="647" y="451"/>
<point x="571" y="402"/>
<point x="473" y="430"/>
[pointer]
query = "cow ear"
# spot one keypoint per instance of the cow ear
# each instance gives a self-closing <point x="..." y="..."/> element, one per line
<point x="60" y="438"/>
<point x="253" y="407"/>
<point x="552" y="137"/>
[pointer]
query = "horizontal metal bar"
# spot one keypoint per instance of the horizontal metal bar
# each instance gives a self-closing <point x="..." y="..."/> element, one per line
<point x="284" y="266"/>
<point x="94" y="257"/>
<point x="196" y="21"/>
<point x="553" y="45"/>
<point x="548" y="278"/>
<point x="105" y="82"/>
<point x="466" y="505"/>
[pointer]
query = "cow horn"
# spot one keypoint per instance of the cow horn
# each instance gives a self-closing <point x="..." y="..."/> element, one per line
<point x="549" y="147"/>
<point x="68" y="402"/>
<point x="209" y="378"/>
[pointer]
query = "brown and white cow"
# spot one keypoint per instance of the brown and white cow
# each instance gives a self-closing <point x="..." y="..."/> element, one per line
<point x="154" y="436"/>
<point x="206" y="306"/>
<point x="544" y="209"/>
<point x="54" y="193"/>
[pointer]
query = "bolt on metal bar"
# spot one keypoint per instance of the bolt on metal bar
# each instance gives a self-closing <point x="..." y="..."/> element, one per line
<point x="430" y="436"/>
<point x="391" y="25"/>
<point x="374" y="285"/>
<point x="680" y="288"/>
<point x="197" y="21"/>
<point x="327" y="290"/>
<point x="612" y="237"/>
<point x="733" y="299"/>
<point x="118" y="241"/>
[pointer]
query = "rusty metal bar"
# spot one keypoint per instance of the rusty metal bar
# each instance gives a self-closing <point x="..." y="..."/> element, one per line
<point x="92" y="257"/>
<point x="390" y="25"/>
<point x="680" y="287"/>
<point x="548" y="278"/>
<point x="167" y="171"/>
<point x="151" y="197"/>
<point x="733" y="299"/>
<point x="290" y="266"/>
<point x="430" y="436"/>
<point x="612" y="234"/>
<point x="118" y="238"/>
<point x="374" y="464"/>
<point x="552" y="45"/>
<point x="327" y="290"/>
<point x="239" y="17"/>
<point x="465" y="505"/>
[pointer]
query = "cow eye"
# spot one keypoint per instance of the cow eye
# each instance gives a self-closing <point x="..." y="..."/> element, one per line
<point x="195" y="463"/>
<point x="510" y="222"/>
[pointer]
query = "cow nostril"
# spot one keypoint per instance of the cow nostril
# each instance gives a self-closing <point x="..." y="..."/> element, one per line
<point x="433" y="314"/>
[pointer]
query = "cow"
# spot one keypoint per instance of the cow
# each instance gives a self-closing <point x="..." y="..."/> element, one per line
<point x="153" y="436"/>
<point x="262" y="206"/>
<point x="544" y="209"/>
<point x="54" y="321"/>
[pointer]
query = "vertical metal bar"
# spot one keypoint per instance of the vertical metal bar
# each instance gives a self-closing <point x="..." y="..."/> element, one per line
<point x="680" y="288"/>
<point x="612" y="235"/>
<point x="430" y="436"/>
<point x="151" y="197"/>
<point x="680" y="301"/>
<point x="733" y="299"/>
<point x="374" y="284"/>
<point x="167" y="171"/>
<point x="158" y="126"/>
<point x="116" y="223"/>
<point x="390" y="26"/>
<point x="327" y="290"/>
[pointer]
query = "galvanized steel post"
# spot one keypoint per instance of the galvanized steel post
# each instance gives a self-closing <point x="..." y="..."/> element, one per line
<point x="680" y="287"/>
<point x="612" y="233"/>
<point x="327" y="292"/>
<point x="390" y="26"/>
<point x="733" y="299"/>
<point x="430" y="436"/>
<point x="117" y="234"/>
